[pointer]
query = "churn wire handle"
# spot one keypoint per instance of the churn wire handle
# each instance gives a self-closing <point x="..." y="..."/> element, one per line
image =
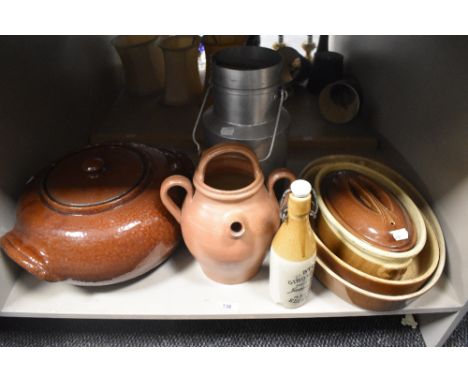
<point x="283" y="96"/>
<point x="194" y="131"/>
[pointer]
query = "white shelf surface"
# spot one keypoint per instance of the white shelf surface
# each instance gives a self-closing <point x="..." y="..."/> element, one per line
<point x="178" y="289"/>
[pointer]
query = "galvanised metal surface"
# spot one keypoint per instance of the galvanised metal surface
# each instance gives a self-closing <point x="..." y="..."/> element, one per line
<point x="247" y="103"/>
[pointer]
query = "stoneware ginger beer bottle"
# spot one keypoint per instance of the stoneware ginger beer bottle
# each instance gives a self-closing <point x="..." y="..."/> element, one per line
<point x="293" y="250"/>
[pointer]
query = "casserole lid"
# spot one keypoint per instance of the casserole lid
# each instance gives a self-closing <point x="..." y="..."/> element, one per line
<point x="95" y="178"/>
<point x="368" y="210"/>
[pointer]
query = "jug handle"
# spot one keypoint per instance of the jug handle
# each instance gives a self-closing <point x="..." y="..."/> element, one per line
<point x="280" y="173"/>
<point x="175" y="181"/>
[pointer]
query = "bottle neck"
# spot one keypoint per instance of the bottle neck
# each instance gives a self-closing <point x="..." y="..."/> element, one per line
<point x="299" y="208"/>
<point x="294" y="240"/>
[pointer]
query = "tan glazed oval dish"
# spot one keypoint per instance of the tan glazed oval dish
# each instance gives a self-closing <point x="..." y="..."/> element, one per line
<point x="418" y="272"/>
<point x="391" y="186"/>
<point x="367" y="298"/>
<point x="353" y="249"/>
<point x="414" y="277"/>
<point x="368" y="210"/>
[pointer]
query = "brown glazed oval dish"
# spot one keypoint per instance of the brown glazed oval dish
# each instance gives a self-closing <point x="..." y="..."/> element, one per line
<point x="367" y="209"/>
<point x="95" y="217"/>
<point x="384" y="295"/>
<point x="376" y="204"/>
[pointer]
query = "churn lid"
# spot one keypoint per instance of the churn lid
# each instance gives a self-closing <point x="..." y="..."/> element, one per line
<point x="368" y="210"/>
<point x="96" y="177"/>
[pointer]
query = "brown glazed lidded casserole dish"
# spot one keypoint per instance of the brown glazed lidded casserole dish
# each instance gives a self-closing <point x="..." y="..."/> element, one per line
<point x="368" y="210"/>
<point x="95" y="217"/>
<point x="375" y="215"/>
<point x="373" y="292"/>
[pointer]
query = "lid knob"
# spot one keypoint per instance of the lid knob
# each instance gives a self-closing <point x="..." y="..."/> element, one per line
<point x="93" y="166"/>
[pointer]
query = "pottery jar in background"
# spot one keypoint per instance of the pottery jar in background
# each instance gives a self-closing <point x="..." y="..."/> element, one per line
<point x="95" y="216"/>
<point x="143" y="63"/>
<point x="182" y="83"/>
<point x="340" y="101"/>
<point x="229" y="217"/>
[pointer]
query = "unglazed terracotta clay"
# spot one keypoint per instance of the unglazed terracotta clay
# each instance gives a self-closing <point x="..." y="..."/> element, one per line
<point x="95" y="217"/>
<point x="229" y="217"/>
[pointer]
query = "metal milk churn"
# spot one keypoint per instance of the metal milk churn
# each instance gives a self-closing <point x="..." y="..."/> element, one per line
<point x="248" y="104"/>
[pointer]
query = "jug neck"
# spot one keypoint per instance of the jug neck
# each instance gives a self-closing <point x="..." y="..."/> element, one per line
<point x="227" y="195"/>
<point x="228" y="172"/>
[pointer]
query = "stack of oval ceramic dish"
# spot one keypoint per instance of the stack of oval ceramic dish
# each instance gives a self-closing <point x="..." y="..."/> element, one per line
<point x="379" y="243"/>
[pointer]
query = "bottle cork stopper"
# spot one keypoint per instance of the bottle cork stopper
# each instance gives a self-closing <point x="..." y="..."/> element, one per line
<point x="301" y="188"/>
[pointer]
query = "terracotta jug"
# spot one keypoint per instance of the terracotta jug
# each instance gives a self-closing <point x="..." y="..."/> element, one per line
<point x="228" y="217"/>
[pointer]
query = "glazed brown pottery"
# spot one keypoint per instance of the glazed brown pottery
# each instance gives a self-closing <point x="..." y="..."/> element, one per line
<point x="366" y="291"/>
<point x="229" y="219"/>
<point x="417" y="273"/>
<point x="367" y="209"/>
<point x="95" y="216"/>
<point x="368" y="220"/>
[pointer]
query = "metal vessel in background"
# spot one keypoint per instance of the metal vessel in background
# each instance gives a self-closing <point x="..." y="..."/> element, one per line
<point x="247" y="104"/>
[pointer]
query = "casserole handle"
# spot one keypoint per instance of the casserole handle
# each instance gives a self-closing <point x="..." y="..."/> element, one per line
<point x="27" y="257"/>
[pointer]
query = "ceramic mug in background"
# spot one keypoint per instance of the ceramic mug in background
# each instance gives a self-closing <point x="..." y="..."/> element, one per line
<point x="340" y="101"/>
